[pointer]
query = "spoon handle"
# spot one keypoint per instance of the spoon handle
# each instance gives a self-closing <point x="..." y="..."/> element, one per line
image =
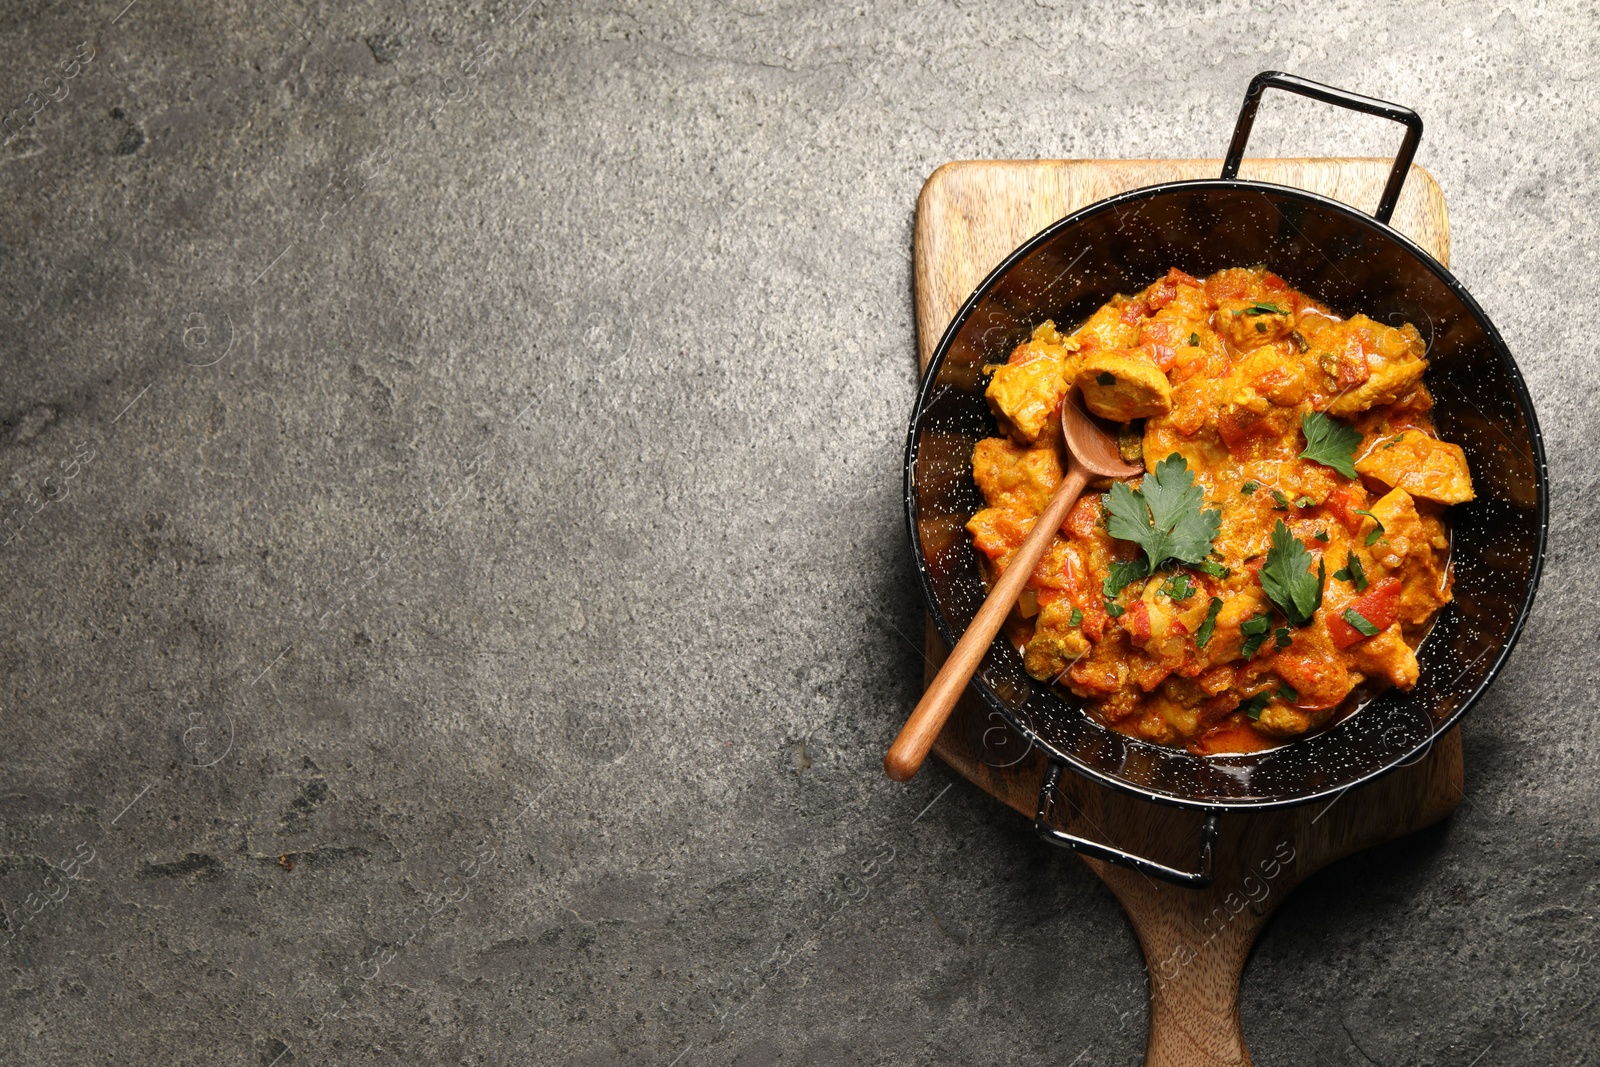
<point x="905" y="756"/>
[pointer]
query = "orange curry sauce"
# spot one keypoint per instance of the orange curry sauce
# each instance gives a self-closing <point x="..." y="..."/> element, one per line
<point x="1221" y="371"/>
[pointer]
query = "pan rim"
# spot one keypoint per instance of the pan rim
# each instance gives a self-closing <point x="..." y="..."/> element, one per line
<point x="1524" y="400"/>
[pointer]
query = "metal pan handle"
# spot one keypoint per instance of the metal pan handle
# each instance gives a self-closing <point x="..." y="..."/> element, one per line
<point x="1190" y="879"/>
<point x="1277" y="79"/>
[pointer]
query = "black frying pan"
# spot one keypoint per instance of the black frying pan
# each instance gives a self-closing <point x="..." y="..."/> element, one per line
<point x="1351" y="262"/>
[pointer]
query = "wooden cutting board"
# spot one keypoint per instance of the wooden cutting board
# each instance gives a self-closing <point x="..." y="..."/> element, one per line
<point x="970" y="215"/>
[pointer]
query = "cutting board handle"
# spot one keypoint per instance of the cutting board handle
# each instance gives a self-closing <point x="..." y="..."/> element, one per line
<point x="1198" y="879"/>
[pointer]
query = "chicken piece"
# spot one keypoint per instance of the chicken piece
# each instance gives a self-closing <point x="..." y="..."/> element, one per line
<point x="1315" y="671"/>
<point x="1056" y="644"/>
<point x="1122" y="386"/>
<point x="1423" y="466"/>
<point x="1113" y="325"/>
<point x="998" y="532"/>
<point x="1026" y="395"/>
<point x="1236" y="608"/>
<point x="1282" y="719"/>
<point x="1378" y="364"/>
<point x="1275" y="373"/>
<point x="1249" y="324"/>
<point x="1387" y="655"/>
<point x="1013" y="477"/>
<point x="1404" y="532"/>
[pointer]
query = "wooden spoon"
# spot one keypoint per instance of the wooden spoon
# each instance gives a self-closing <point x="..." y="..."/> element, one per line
<point x="1091" y="453"/>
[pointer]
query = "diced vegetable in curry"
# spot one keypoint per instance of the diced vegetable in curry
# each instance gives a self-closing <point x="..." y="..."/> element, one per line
<point x="1285" y="551"/>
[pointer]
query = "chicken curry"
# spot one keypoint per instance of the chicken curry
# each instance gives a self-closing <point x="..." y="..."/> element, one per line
<point x="1285" y="551"/>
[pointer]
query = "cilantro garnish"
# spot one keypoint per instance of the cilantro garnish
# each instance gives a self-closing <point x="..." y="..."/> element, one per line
<point x="1249" y="487"/>
<point x="1194" y="340"/>
<point x="1279" y="501"/>
<point x="1203" y="635"/>
<point x="1330" y="442"/>
<point x="1377" y="527"/>
<point x="1255" y="706"/>
<point x="1260" y="307"/>
<point x="1122" y="572"/>
<point x="1105" y="377"/>
<point x="1299" y="341"/>
<point x="1287" y="577"/>
<point x="1353" y="572"/>
<point x="1321" y="535"/>
<point x="1213" y="568"/>
<point x="1255" y="630"/>
<point x="1077" y="617"/>
<point x="1304" y="502"/>
<point x="1359" y="621"/>
<point x="1178" y="587"/>
<point x="1114" y="610"/>
<point x="1163" y="516"/>
<point x="1280" y="637"/>
<point x="1286" y="692"/>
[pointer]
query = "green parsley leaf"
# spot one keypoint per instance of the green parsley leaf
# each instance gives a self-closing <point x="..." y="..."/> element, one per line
<point x="1213" y="568"/>
<point x="1194" y="340"/>
<point x="1178" y="587"/>
<point x="1377" y="527"/>
<point x="1163" y="516"/>
<point x="1321" y="535"/>
<point x="1105" y="377"/>
<point x="1077" y="617"/>
<point x="1261" y="307"/>
<point x="1280" y="502"/>
<point x="1352" y="572"/>
<point x="1304" y="502"/>
<point x="1280" y="637"/>
<point x="1287" y="578"/>
<point x="1330" y="442"/>
<point x="1359" y="621"/>
<point x="1202" y="636"/>
<point x="1255" y="630"/>
<point x="1122" y="572"/>
<point x="1114" y="610"/>
<point x="1253" y="707"/>
<point x="1249" y="487"/>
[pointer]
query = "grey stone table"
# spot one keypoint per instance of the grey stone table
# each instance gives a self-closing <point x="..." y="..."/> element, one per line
<point x="455" y="596"/>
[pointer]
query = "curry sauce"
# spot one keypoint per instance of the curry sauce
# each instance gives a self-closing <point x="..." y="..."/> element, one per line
<point x="1224" y="382"/>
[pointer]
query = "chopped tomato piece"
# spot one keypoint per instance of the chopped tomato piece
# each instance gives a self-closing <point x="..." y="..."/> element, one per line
<point x="1216" y="680"/>
<point x="1095" y="619"/>
<point x="1174" y="275"/>
<point x="1133" y="311"/>
<point x="1377" y="605"/>
<point x="1237" y="427"/>
<point x="1353" y="368"/>
<point x="1084" y="516"/>
<point x="1341" y="504"/>
<point x="1136" y="620"/>
<point x="1162" y="295"/>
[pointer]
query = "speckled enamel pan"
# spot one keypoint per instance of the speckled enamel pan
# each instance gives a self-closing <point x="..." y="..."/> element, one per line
<point x="1350" y="261"/>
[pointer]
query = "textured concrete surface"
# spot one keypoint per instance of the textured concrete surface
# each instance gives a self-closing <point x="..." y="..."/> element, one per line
<point x="455" y="596"/>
